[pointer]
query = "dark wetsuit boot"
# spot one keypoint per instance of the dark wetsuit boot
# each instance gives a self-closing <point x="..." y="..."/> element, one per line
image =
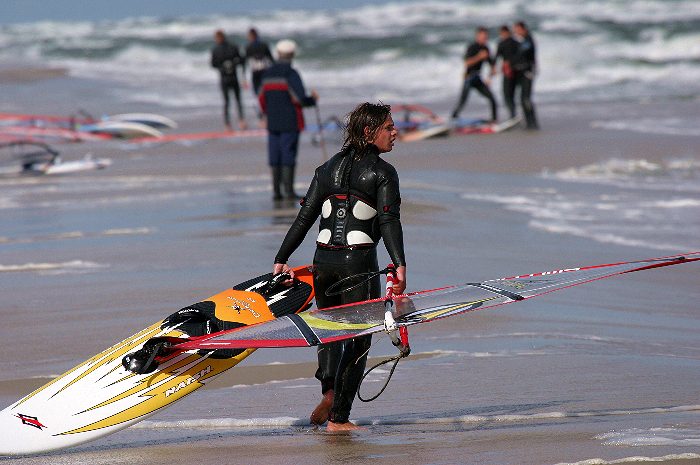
<point x="276" y="182"/>
<point x="288" y="182"/>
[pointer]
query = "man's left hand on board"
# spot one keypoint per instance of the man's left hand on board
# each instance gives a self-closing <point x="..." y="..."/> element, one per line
<point x="284" y="268"/>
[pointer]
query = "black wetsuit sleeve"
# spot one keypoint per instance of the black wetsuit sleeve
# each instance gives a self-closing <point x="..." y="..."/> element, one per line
<point x="389" y="213"/>
<point x="215" y="58"/>
<point x="310" y="210"/>
<point x="297" y="89"/>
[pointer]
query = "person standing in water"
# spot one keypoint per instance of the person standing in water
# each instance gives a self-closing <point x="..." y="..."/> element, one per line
<point x="356" y="194"/>
<point x="477" y="53"/>
<point x="508" y="49"/>
<point x="525" y="68"/>
<point x="282" y="96"/>
<point x="226" y="58"/>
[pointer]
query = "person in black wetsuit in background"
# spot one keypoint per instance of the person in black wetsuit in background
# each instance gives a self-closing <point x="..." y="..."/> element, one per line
<point x="226" y="58"/>
<point x="525" y="68"/>
<point x="508" y="49"/>
<point x="477" y="53"/>
<point x="356" y="194"/>
<point x="258" y="58"/>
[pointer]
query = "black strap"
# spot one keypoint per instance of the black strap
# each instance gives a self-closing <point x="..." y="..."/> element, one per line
<point x="330" y="291"/>
<point x="276" y="280"/>
<point x="394" y="359"/>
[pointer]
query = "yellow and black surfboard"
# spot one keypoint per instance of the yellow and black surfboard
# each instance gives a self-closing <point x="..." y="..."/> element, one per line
<point x="100" y="396"/>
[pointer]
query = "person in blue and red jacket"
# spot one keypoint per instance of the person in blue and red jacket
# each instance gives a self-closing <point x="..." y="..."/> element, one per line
<point x="282" y="97"/>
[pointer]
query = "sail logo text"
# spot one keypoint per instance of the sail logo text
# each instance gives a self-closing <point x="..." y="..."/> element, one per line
<point x="546" y="273"/>
<point x="188" y="381"/>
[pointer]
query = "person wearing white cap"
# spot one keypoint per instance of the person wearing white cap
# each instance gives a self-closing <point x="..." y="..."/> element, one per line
<point x="282" y="97"/>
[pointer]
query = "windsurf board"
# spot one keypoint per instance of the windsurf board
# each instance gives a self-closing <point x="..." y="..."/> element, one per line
<point x="100" y="397"/>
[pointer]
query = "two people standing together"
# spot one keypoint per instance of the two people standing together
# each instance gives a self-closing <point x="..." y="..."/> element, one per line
<point x="519" y="66"/>
<point x="227" y="59"/>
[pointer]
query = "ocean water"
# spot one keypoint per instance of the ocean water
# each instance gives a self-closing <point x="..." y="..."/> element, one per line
<point x="601" y="50"/>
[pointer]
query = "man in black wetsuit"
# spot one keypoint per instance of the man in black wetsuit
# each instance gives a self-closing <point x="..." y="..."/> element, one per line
<point x="477" y="53"/>
<point x="356" y="194"/>
<point x="508" y="49"/>
<point x="525" y="68"/>
<point x="226" y="58"/>
<point x="258" y="58"/>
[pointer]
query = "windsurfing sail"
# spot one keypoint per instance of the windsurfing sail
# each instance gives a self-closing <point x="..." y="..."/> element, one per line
<point x="25" y="155"/>
<point x="345" y="322"/>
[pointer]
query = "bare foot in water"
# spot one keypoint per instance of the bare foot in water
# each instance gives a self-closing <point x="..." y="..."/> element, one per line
<point x="320" y="414"/>
<point x="343" y="427"/>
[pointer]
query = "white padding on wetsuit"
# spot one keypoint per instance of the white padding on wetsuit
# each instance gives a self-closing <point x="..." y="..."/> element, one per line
<point x="326" y="209"/>
<point x="362" y="211"/>
<point x="357" y="238"/>
<point x="324" y="237"/>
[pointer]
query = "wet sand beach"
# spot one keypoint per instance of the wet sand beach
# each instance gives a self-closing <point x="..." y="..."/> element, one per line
<point x="595" y="372"/>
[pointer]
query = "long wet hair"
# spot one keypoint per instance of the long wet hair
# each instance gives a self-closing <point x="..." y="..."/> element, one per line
<point x="370" y="115"/>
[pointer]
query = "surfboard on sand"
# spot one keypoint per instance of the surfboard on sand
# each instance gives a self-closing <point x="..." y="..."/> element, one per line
<point x="27" y="156"/>
<point x="83" y="118"/>
<point x="100" y="397"/>
<point x="462" y="126"/>
<point x="193" y="137"/>
<point x="416" y="122"/>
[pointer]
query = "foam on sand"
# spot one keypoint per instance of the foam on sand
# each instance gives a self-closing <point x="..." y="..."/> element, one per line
<point x="253" y="423"/>
<point x="73" y="266"/>
<point x="635" y="459"/>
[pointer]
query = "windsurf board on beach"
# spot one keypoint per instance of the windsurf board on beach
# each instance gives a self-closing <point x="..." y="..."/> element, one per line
<point x="73" y="122"/>
<point x="462" y="126"/>
<point x="34" y="157"/>
<point x="149" y="119"/>
<point x="192" y="137"/>
<point x="121" y="129"/>
<point x="100" y="396"/>
<point x="417" y="122"/>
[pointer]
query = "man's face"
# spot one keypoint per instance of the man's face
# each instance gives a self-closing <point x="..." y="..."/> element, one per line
<point x="482" y="37"/>
<point x="385" y="136"/>
<point x="520" y="31"/>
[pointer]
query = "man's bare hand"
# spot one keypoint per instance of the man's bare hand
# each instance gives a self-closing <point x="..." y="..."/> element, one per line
<point x="283" y="268"/>
<point x="400" y="285"/>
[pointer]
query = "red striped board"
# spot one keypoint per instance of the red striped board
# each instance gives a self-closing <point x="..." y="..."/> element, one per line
<point x="484" y="127"/>
<point x="199" y="136"/>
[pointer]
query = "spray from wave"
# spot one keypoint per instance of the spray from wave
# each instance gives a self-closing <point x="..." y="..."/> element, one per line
<point x="590" y="51"/>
